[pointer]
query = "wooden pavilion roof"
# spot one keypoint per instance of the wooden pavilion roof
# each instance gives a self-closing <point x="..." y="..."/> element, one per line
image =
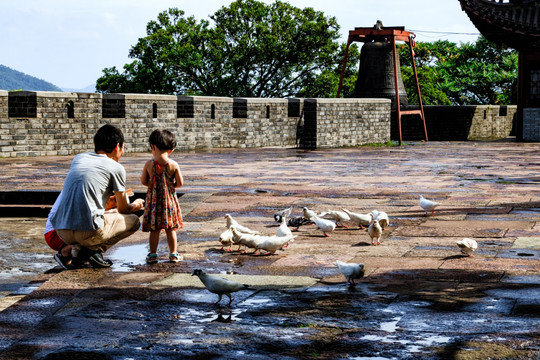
<point x="515" y="23"/>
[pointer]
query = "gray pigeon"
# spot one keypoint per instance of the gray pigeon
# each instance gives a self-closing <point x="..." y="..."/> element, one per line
<point x="219" y="285"/>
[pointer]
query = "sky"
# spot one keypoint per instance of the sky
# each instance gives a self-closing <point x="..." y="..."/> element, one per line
<point x="70" y="42"/>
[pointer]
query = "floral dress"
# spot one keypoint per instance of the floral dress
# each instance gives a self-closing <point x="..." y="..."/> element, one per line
<point x="161" y="208"/>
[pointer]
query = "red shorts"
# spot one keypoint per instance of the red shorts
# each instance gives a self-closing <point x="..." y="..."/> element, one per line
<point x="54" y="241"/>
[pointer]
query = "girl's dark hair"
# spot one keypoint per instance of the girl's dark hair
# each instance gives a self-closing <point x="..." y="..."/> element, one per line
<point x="163" y="139"/>
<point x="107" y="137"/>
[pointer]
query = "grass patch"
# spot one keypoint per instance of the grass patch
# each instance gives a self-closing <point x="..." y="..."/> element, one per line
<point x="481" y="351"/>
<point x="386" y="144"/>
<point x="503" y="181"/>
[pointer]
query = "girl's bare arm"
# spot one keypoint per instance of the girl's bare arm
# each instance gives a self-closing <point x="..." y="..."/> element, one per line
<point x="179" y="179"/>
<point x="145" y="175"/>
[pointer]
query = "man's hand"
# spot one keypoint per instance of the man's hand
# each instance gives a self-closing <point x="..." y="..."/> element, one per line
<point x="137" y="204"/>
<point x="124" y="207"/>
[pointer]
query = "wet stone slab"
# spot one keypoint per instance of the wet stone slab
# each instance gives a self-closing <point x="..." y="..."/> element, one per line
<point x="419" y="299"/>
<point x="287" y="324"/>
<point x="527" y="243"/>
<point x="461" y="231"/>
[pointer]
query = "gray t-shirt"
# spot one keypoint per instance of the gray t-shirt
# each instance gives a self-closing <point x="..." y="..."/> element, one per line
<point x="90" y="182"/>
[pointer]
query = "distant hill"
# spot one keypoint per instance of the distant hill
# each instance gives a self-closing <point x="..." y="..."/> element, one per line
<point x="89" y="88"/>
<point x="15" y="80"/>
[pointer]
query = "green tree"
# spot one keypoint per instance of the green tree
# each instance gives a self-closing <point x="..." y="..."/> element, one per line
<point x="324" y="84"/>
<point x="467" y="74"/>
<point x="253" y="50"/>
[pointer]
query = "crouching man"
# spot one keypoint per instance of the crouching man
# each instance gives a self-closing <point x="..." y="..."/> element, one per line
<point x="80" y="217"/>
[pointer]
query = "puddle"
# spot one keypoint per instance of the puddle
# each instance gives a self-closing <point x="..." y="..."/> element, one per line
<point x="435" y="339"/>
<point x="26" y="289"/>
<point x="254" y="302"/>
<point x="390" y="326"/>
<point x="532" y="279"/>
<point x="124" y="257"/>
<point x="530" y="254"/>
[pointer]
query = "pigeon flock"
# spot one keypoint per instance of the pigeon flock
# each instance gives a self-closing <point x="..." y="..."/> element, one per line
<point x="236" y="234"/>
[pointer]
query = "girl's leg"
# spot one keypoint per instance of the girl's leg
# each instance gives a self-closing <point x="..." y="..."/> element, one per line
<point x="171" y="240"/>
<point x="154" y="241"/>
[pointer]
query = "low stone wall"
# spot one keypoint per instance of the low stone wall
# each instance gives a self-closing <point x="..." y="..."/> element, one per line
<point x="60" y="123"/>
<point x="351" y="122"/>
<point x="458" y="123"/>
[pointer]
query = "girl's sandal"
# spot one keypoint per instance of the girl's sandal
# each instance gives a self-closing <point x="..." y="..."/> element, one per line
<point x="151" y="258"/>
<point x="175" y="257"/>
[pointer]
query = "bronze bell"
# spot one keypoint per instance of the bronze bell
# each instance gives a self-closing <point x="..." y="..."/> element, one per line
<point x="376" y="74"/>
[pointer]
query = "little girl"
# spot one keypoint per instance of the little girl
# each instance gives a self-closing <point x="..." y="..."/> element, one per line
<point x="161" y="208"/>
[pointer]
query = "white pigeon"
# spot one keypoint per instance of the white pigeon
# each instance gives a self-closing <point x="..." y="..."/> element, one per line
<point x="381" y="217"/>
<point x="241" y="228"/>
<point x="308" y="214"/>
<point x="428" y="205"/>
<point x="248" y="240"/>
<point x="284" y="230"/>
<point x="219" y="285"/>
<point x="324" y="225"/>
<point x="467" y="246"/>
<point x="375" y="232"/>
<point x="361" y="219"/>
<point x="273" y="243"/>
<point x="338" y="216"/>
<point x="226" y="239"/>
<point x="350" y="270"/>
<point x="285" y="213"/>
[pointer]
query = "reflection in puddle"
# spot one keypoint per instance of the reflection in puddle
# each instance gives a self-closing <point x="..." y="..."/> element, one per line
<point x="221" y="315"/>
<point x="257" y="301"/>
<point x="436" y="339"/>
<point x="26" y="289"/>
<point x="126" y="256"/>
<point x="390" y="326"/>
<point x="385" y="339"/>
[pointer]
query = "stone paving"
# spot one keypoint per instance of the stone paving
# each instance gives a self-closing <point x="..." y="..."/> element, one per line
<point x="420" y="298"/>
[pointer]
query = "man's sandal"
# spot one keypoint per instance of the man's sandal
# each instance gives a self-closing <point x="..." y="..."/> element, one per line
<point x="151" y="258"/>
<point x="175" y="257"/>
<point x="63" y="261"/>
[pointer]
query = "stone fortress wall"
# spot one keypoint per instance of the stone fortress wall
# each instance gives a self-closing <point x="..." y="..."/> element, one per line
<point x="63" y="123"/>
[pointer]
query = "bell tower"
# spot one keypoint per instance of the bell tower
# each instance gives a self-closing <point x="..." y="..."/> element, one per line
<point x="379" y="74"/>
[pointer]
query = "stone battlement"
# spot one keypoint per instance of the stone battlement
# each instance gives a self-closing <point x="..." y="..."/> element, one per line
<point x="63" y="123"/>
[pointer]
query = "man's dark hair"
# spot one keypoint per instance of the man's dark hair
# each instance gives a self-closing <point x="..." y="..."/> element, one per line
<point x="163" y="139"/>
<point x="107" y="137"/>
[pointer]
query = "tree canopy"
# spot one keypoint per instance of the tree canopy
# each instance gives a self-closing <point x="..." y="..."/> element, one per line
<point x="253" y="49"/>
<point x="480" y="72"/>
